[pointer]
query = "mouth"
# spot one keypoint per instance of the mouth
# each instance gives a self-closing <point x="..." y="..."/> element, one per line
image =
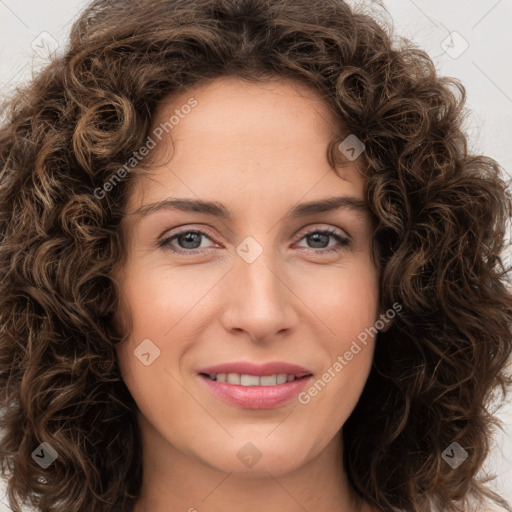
<point x="246" y="391"/>
<point x="247" y="380"/>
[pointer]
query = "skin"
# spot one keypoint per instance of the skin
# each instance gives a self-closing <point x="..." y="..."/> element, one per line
<point x="259" y="149"/>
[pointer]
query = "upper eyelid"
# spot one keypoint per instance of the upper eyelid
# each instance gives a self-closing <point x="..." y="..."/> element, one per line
<point x="302" y="232"/>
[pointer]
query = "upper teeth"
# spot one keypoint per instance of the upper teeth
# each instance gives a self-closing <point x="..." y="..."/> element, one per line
<point x="252" y="380"/>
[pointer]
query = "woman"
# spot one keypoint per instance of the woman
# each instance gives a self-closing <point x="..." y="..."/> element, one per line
<point x="332" y="337"/>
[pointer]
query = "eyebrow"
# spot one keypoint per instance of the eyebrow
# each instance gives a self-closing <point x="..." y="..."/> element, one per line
<point x="219" y="210"/>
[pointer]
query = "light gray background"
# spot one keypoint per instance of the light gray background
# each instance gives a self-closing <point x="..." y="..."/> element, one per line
<point x="484" y="68"/>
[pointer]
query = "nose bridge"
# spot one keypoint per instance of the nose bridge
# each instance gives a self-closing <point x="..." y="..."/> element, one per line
<point x="258" y="299"/>
<point x="257" y="270"/>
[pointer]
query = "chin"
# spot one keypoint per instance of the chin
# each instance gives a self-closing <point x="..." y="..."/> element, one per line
<point x="257" y="456"/>
<point x="276" y="464"/>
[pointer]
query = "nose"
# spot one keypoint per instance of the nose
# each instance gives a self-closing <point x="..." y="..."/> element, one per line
<point x="259" y="301"/>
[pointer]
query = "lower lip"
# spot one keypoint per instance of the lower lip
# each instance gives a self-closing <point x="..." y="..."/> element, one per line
<point x="256" y="397"/>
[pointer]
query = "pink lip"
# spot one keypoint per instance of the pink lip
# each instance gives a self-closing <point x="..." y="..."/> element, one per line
<point x="247" y="368"/>
<point x="256" y="397"/>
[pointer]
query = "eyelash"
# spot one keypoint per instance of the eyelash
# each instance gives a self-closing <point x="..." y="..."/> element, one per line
<point x="344" y="242"/>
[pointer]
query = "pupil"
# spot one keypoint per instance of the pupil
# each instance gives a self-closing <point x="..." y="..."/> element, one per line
<point x="188" y="240"/>
<point x="315" y="239"/>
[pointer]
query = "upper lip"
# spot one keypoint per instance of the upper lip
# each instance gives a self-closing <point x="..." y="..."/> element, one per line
<point x="248" y="368"/>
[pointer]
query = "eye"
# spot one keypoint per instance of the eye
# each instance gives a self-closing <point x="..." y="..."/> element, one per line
<point x="189" y="241"/>
<point x="321" y="236"/>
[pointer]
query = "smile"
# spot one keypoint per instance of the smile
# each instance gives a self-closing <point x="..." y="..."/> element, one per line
<point x="254" y="391"/>
<point x="252" y="380"/>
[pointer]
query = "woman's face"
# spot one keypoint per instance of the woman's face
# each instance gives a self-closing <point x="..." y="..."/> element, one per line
<point x="259" y="284"/>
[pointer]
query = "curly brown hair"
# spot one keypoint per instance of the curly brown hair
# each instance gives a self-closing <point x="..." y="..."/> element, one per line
<point x="441" y="217"/>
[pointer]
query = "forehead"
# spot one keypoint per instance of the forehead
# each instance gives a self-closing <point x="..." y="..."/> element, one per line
<point x="229" y="106"/>
<point x="259" y="136"/>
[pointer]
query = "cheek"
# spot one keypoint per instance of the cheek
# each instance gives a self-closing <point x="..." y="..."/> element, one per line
<point x="153" y="300"/>
<point x="346" y="300"/>
<point x="153" y="310"/>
